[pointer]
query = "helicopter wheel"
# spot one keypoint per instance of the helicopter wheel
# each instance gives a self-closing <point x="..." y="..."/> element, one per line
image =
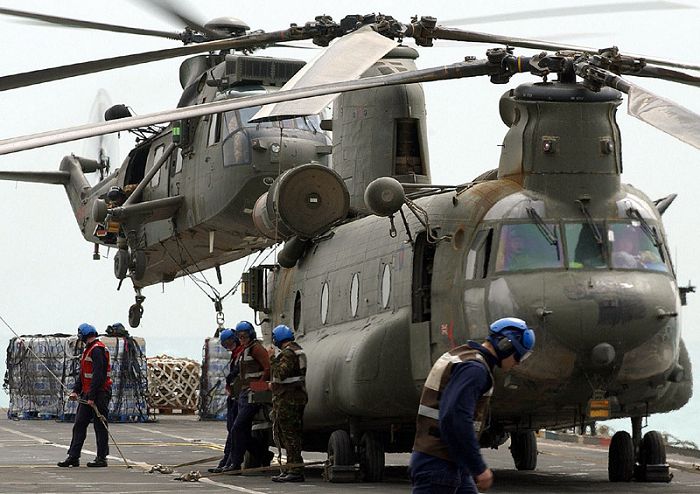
<point x="652" y="465"/>
<point x="135" y="313"/>
<point x="621" y="457"/>
<point x="138" y="264"/>
<point x="523" y="449"/>
<point x="340" y="452"/>
<point x="371" y="455"/>
<point x="121" y="263"/>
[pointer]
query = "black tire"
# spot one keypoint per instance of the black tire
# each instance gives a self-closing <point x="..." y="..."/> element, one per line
<point x="621" y="458"/>
<point x="653" y="450"/>
<point x="523" y="449"/>
<point x="135" y="313"/>
<point x="139" y="262"/>
<point x="121" y="264"/>
<point x="371" y="457"/>
<point x="340" y="452"/>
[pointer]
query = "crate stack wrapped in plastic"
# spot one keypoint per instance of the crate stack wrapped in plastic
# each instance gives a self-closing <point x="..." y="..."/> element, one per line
<point x="35" y="389"/>
<point x="36" y="393"/>
<point x="212" y="390"/>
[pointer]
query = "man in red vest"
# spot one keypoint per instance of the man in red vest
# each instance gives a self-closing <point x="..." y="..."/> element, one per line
<point x="94" y="387"/>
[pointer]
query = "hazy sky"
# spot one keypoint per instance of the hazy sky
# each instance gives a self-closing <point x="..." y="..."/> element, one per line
<point x="49" y="282"/>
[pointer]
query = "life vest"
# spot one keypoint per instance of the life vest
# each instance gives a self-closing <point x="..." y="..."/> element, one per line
<point x="428" y="420"/>
<point x="251" y="370"/>
<point x="86" y="367"/>
<point x="298" y="373"/>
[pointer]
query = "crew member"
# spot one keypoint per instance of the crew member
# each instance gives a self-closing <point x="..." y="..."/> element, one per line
<point x="446" y="455"/>
<point x="230" y="342"/>
<point x="94" y="387"/>
<point x="289" y="398"/>
<point x="254" y="365"/>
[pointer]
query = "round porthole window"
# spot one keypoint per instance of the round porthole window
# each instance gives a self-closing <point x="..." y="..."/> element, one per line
<point x="354" y="294"/>
<point x="386" y="285"/>
<point x="325" y="299"/>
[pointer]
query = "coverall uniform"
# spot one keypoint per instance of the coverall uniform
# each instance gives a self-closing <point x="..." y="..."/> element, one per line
<point x="446" y="454"/>
<point x="289" y="398"/>
<point x="94" y="384"/>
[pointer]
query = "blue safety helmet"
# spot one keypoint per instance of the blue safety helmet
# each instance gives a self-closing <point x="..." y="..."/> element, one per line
<point x="246" y="327"/>
<point x="281" y="334"/>
<point x="85" y="330"/>
<point x="227" y="335"/>
<point x="511" y="336"/>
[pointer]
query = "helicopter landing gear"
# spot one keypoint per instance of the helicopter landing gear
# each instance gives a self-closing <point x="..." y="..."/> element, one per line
<point x="136" y="310"/>
<point x="121" y="263"/>
<point x="340" y="466"/>
<point x="370" y="452"/>
<point x="643" y="459"/>
<point x="523" y="449"/>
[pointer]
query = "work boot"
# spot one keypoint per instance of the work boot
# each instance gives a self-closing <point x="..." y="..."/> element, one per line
<point x="279" y="478"/>
<point x="292" y="477"/>
<point x="216" y="470"/>
<point x="99" y="462"/>
<point x="231" y="468"/>
<point x="71" y="461"/>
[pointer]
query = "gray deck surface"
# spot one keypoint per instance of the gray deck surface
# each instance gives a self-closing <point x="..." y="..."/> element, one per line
<point x="29" y="451"/>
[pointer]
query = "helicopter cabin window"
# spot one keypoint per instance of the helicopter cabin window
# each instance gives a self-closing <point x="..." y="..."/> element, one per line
<point x="634" y="247"/>
<point x="478" y="255"/>
<point x="178" y="160"/>
<point x="214" y="129"/>
<point x="585" y="243"/>
<point x="157" y="155"/>
<point x="325" y="302"/>
<point x="385" y="292"/>
<point x="526" y="246"/>
<point x="354" y="294"/>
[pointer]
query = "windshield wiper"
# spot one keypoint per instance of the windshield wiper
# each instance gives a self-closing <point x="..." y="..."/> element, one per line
<point x="634" y="214"/>
<point x="542" y="227"/>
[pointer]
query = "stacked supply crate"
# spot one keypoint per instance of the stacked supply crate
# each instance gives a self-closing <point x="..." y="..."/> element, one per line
<point x="212" y="390"/>
<point x="35" y="372"/>
<point x="41" y="372"/>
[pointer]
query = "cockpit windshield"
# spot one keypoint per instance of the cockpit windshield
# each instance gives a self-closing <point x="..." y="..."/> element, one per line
<point x="238" y="119"/>
<point x="632" y="248"/>
<point x="523" y="246"/>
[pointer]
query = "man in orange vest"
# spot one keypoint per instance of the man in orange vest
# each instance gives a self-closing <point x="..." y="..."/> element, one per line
<point x="94" y="387"/>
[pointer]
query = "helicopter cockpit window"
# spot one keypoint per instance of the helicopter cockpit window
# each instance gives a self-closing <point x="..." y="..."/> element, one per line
<point x="584" y="251"/>
<point x="214" y="129"/>
<point x="524" y="246"/>
<point x="478" y="255"/>
<point x="633" y="248"/>
<point x="157" y="155"/>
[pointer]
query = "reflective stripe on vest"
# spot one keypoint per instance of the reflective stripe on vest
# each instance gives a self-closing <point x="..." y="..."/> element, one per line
<point x="428" y="418"/>
<point x="250" y="369"/>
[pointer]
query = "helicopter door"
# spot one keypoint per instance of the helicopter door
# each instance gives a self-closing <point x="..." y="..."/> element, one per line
<point x="423" y="257"/>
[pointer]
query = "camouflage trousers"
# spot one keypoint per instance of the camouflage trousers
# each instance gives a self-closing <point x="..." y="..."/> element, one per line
<point x="287" y="431"/>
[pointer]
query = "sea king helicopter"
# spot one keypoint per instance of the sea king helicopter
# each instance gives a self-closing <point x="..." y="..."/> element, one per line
<point x="382" y="271"/>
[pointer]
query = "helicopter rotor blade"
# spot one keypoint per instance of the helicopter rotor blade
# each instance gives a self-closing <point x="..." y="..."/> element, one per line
<point x="100" y="26"/>
<point x="604" y="8"/>
<point x="179" y="14"/>
<point x="440" y="32"/>
<point x="661" y="113"/>
<point x="666" y="75"/>
<point x="358" y="51"/>
<point x="65" y="71"/>
<point x="463" y="69"/>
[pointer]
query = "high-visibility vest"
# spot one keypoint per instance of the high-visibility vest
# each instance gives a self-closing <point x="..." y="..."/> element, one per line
<point x="428" y="420"/>
<point x="86" y="367"/>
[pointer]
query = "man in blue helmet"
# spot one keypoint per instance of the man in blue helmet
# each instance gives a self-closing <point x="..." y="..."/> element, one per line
<point x="230" y="342"/>
<point x="254" y="365"/>
<point x="94" y="387"/>
<point x="454" y="405"/>
<point x="289" y="398"/>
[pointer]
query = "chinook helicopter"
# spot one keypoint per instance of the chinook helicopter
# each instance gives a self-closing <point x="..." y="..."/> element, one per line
<point x="412" y="269"/>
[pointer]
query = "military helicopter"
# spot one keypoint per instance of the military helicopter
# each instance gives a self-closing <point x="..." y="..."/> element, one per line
<point x="364" y="297"/>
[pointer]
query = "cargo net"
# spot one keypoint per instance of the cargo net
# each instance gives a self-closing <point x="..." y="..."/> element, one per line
<point x="35" y="393"/>
<point x="173" y="384"/>
<point x="212" y="391"/>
